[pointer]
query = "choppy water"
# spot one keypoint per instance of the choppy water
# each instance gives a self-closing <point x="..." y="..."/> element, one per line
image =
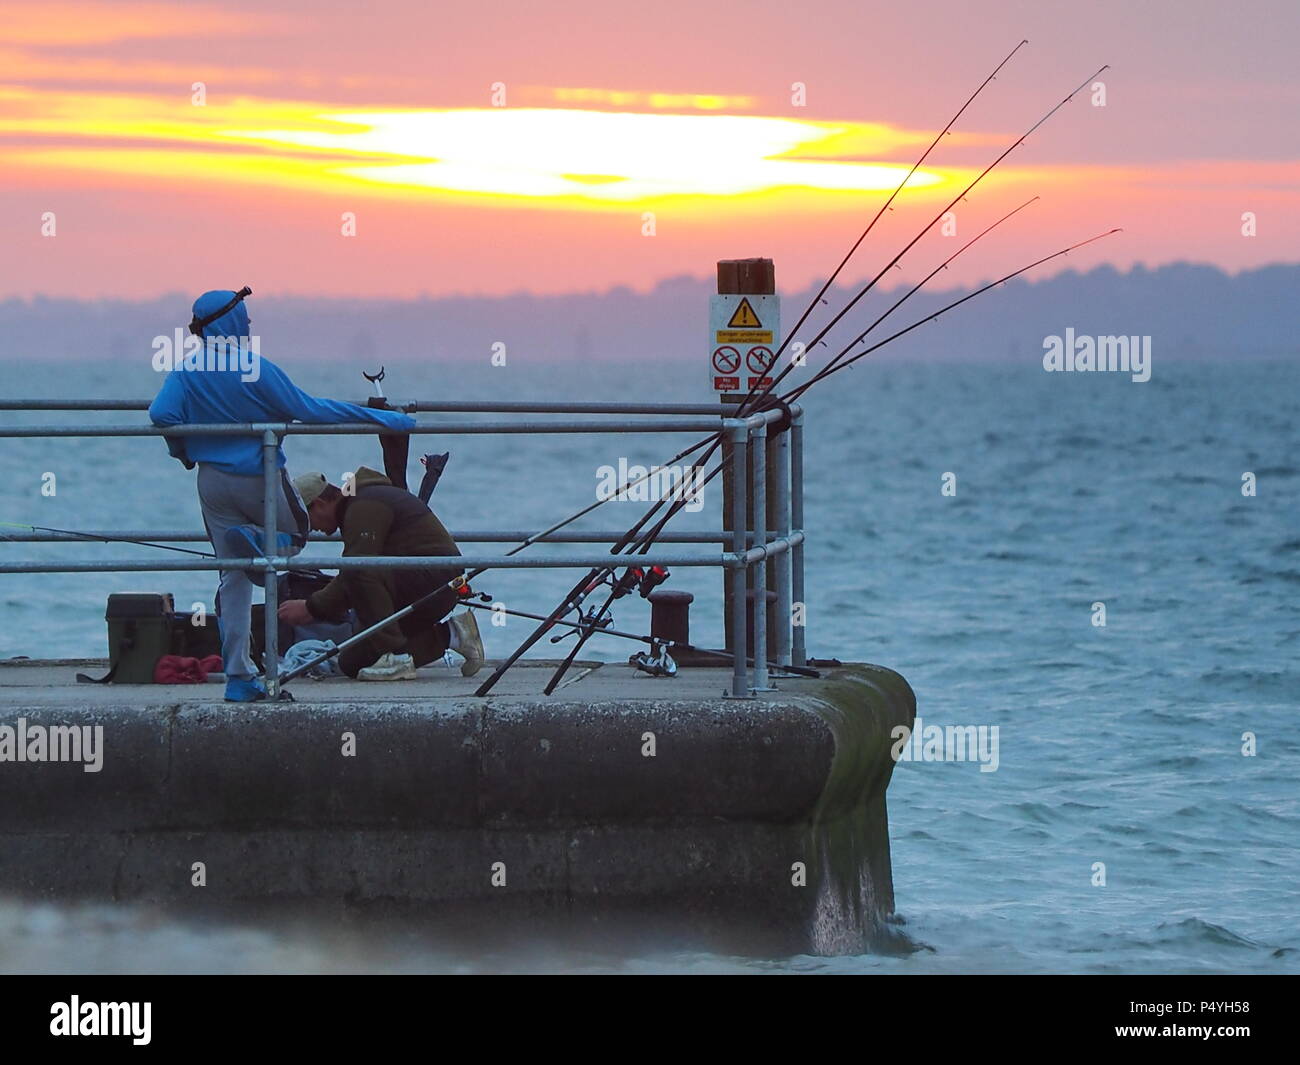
<point x="1119" y="745"/>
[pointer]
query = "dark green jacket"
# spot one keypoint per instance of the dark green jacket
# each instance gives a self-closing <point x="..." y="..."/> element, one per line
<point x="378" y="519"/>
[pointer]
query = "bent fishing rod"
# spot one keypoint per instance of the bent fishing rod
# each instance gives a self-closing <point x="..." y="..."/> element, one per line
<point x="910" y="244"/>
<point x="658" y="528"/>
<point x="794" y="394"/>
<point x="647" y="540"/>
<point x="915" y="289"/>
<point x="755" y="397"/>
<point x="748" y="402"/>
<point x="817" y="299"/>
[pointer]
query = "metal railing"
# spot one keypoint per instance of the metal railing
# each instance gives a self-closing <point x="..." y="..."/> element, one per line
<point x="746" y="492"/>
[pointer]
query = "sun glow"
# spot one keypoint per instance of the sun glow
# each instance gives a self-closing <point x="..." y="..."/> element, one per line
<point x="535" y="156"/>
<point x="621" y="157"/>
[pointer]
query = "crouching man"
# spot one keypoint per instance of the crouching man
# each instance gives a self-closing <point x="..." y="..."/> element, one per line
<point x="377" y="518"/>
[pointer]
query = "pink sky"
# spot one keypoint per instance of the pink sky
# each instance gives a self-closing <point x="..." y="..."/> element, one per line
<point x="613" y="110"/>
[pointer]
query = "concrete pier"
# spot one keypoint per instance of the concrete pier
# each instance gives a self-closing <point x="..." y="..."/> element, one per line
<point x="621" y="803"/>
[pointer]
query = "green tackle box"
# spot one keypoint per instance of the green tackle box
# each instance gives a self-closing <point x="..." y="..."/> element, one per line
<point x="139" y="633"/>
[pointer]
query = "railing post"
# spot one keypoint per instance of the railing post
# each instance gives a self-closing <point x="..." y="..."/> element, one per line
<point x="270" y="522"/>
<point x="758" y="449"/>
<point x="780" y="478"/>
<point x="739" y="628"/>
<point x="799" y="649"/>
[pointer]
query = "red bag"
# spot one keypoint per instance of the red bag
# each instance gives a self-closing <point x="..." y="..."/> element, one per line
<point x="176" y="669"/>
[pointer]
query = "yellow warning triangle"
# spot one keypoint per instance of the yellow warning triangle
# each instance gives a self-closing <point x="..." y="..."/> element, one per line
<point x="744" y="318"/>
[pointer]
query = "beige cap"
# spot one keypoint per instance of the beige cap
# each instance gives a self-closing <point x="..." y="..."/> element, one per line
<point x="310" y="485"/>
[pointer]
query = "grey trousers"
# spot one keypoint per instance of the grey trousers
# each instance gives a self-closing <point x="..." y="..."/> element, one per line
<point x="228" y="500"/>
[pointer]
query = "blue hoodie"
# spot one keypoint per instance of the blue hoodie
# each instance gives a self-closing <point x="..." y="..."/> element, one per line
<point x="212" y="396"/>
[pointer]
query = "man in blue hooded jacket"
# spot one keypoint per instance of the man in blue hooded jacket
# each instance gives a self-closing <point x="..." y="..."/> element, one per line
<point x="231" y="382"/>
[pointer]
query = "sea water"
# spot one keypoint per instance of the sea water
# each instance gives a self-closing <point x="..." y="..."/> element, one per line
<point x="969" y="526"/>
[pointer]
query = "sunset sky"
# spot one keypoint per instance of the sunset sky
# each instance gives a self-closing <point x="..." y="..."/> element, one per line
<point x="489" y="148"/>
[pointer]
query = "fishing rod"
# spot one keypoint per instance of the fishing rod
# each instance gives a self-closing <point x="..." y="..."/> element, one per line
<point x="646" y="541"/>
<point x="816" y="300"/>
<point x="99" y="538"/>
<point x="580" y="590"/>
<point x="828" y="371"/>
<point x="898" y="303"/>
<point x="918" y="286"/>
<point x="642" y="545"/>
<point x="356" y="638"/>
<point x="716" y="439"/>
<point x="952" y="203"/>
<point x="498" y="609"/>
<point x="593" y="578"/>
<point x="754" y="397"/>
<point x="803" y="671"/>
<point x="752" y="401"/>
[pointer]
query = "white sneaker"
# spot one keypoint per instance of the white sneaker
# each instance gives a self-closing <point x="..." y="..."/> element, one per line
<point x="390" y="667"/>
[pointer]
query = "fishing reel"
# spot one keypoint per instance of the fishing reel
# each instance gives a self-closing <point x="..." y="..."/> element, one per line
<point x="591" y="621"/>
<point x="657" y="661"/>
<point x="634" y="578"/>
<point x="651" y="580"/>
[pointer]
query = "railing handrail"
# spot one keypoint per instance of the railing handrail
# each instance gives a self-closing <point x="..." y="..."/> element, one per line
<point x="461" y="536"/>
<point x="422" y="406"/>
<point x="447" y="428"/>
<point x="748" y="437"/>
<point x="723" y="559"/>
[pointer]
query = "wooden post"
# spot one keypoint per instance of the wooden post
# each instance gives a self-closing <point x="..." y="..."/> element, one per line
<point x="748" y="277"/>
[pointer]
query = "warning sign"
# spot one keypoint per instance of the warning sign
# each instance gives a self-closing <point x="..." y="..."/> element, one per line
<point x="744" y="318"/>
<point x="742" y="329"/>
